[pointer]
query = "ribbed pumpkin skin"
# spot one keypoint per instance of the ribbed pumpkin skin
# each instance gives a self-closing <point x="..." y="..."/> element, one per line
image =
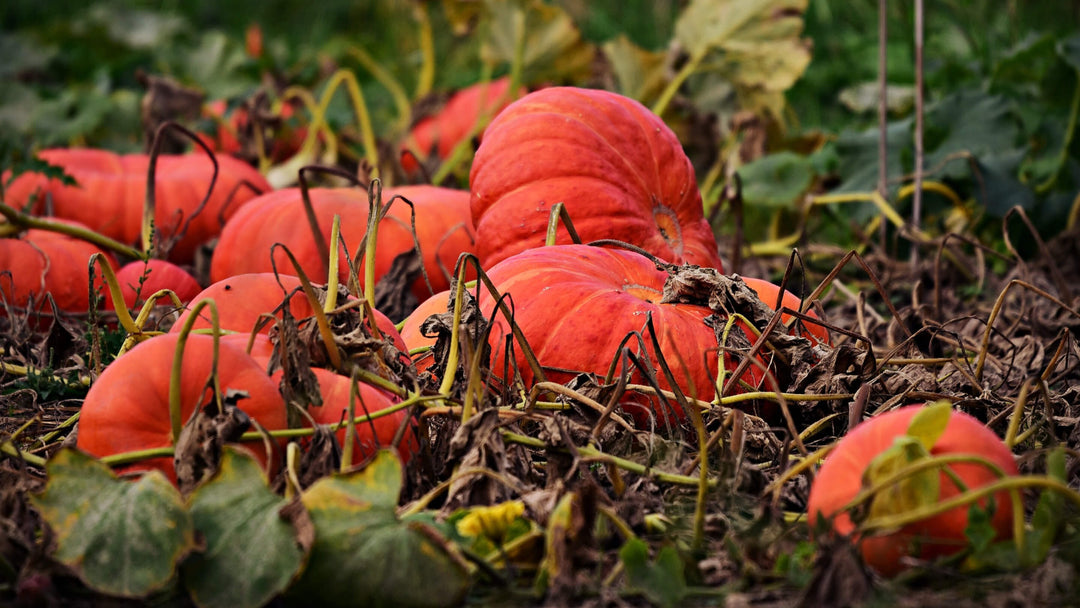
<point x="619" y="170"/>
<point x="840" y="479"/>
<point x="127" y="408"/>
<point x="111" y="190"/>
<point x="442" y="225"/>
<point x="575" y="303"/>
<point x="241" y="301"/>
<point x="43" y="262"/>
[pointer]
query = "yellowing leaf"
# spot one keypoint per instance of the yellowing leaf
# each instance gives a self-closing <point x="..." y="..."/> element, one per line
<point x="753" y="44"/>
<point x="929" y="424"/>
<point x="639" y="74"/>
<point x="553" y="50"/>
<point x="911" y="492"/>
<point x="122" y="537"/>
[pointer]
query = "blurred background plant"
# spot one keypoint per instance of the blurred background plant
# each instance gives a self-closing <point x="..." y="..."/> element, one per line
<point x="787" y="100"/>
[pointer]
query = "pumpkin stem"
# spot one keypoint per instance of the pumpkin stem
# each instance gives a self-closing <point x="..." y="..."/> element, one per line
<point x="323" y="323"/>
<point x="426" y="78"/>
<point x="123" y="316"/>
<point x="176" y="424"/>
<point x="24" y="221"/>
<point x="397" y="92"/>
<point x="149" y="203"/>
<point x="356" y="95"/>
<point x="283" y="174"/>
<point x="332" y="271"/>
<point x="559" y="212"/>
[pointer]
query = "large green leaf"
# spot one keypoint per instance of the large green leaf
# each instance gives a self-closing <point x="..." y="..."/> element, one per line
<point x="123" y="538"/>
<point x="969" y="123"/>
<point x="364" y="555"/>
<point x="252" y="551"/>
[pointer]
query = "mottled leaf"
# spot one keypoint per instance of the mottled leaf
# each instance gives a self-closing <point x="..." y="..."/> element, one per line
<point x="122" y="537"/>
<point x="251" y="552"/>
<point x="364" y="555"/>
<point x="753" y="44"/>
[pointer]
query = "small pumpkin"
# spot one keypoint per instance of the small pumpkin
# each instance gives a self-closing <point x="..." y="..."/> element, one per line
<point x="841" y="478"/>
<point x="437" y="135"/>
<point x="43" y="262"/>
<point x="619" y="170"/>
<point x="244" y="299"/>
<point x="768" y="292"/>
<point x="139" y="280"/>
<point x="112" y="188"/>
<point x="127" y="408"/>
<point x="442" y="227"/>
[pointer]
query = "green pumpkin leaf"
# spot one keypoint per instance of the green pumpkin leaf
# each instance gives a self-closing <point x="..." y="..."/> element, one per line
<point x="1049" y="513"/>
<point x="663" y="582"/>
<point x="909" y="493"/>
<point x="1069" y="50"/>
<point x="928" y="425"/>
<point x="639" y="74"/>
<point x="240" y="519"/>
<point x="776" y="180"/>
<point x="364" y="555"/>
<point x="123" y="538"/>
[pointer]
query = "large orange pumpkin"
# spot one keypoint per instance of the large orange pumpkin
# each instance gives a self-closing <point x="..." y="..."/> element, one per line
<point x="111" y="190"/>
<point x="127" y="408"/>
<point x="442" y="225"/>
<point x="618" y="169"/>
<point x="576" y="303"/>
<point x="42" y="262"/>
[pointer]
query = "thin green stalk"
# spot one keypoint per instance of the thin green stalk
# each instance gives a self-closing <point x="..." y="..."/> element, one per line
<point x="24" y="220"/>
<point x="590" y="453"/>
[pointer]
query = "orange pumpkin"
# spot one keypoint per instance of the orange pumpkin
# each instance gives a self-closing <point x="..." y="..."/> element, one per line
<point x="439" y="134"/>
<point x="442" y="225"/>
<point x="841" y="478"/>
<point x="576" y="303"/>
<point x="112" y="188"/>
<point x="371" y="435"/>
<point x="619" y="170"/>
<point x="42" y="262"/>
<point x="242" y="300"/>
<point x="127" y="408"/>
